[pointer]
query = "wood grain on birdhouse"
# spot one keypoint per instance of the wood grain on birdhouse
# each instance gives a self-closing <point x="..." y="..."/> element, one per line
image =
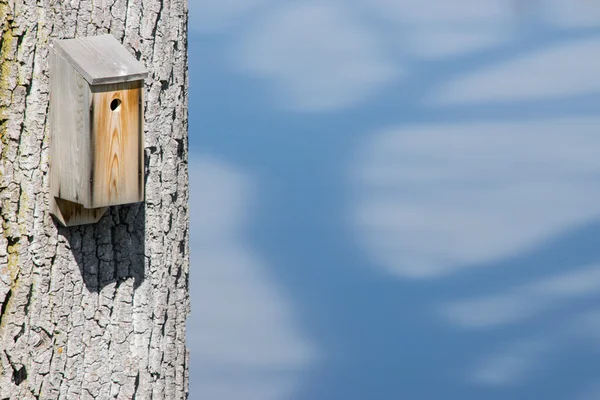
<point x="117" y="143"/>
<point x="101" y="59"/>
<point x="70" y="155"/>
<point x="70" y="214"/>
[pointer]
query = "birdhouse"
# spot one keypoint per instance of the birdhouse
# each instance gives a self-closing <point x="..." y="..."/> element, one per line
<point x="96" y="128"/>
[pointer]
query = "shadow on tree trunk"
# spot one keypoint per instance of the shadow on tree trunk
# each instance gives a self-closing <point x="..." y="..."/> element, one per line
<point x="111" y="250"/>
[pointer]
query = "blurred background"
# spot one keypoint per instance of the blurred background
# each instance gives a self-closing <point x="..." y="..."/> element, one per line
<point x="395" y="199"/>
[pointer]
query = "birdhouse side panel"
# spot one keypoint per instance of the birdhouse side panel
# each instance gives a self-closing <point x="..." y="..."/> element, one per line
<point x="117" y="142"/>
<point x="70" y="156"/>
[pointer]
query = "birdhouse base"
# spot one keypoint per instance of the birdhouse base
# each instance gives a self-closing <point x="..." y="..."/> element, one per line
<point x="68" y="213"/>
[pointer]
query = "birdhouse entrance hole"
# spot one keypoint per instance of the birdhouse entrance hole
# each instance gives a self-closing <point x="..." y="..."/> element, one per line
<point x="115" y="104"/>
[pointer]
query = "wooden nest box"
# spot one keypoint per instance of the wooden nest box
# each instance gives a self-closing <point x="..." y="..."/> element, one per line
<point x="96" y="128"/>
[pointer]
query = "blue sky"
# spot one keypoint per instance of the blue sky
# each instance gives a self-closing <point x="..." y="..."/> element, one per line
<point x="395" y="199"/>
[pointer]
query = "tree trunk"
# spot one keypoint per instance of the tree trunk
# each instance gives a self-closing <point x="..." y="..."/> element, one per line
<point x="95" y="311"/>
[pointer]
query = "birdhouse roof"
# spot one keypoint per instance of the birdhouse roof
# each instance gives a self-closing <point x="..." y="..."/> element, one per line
<point x="100" y="59"/>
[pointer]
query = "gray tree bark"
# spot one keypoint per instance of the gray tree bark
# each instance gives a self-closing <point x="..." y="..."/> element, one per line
<point x="96" y="311"/>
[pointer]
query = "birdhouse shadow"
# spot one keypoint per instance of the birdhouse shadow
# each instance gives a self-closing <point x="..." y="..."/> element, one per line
<point x="111" y="250"/>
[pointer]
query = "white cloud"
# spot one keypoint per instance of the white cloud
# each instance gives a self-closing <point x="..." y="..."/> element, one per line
<point x="513" y="363"/>
<point x="518" y="303"/>
<point x="316" y="54"/>
<point x="435" y="199"/>
<point x="518" y="361"/>
<point x="441" y="43"/>
<point x="438" y="29"/>
<point x="222" y="196"/>
<point x="434" y="12"/>
<point x="243" y="336"/>
<point x="231" y="387"/>
<point x="498" y="13"/>
<point x="562" y="70"/>
<point x="569" y="14"/>
<point x="220" y="16"/>
<point x="244" y="322"/>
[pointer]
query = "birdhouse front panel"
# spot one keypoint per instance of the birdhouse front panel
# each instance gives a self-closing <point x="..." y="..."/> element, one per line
<point x="117" y="139"/>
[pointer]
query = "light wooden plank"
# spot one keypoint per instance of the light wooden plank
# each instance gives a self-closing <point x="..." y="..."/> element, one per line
<point x="117" y="140"/>
<point x="70" y="152"/>
<point x="101" y="59"/>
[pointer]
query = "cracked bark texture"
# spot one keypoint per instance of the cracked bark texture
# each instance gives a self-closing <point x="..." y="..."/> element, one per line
<point x="96" y="311"/>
